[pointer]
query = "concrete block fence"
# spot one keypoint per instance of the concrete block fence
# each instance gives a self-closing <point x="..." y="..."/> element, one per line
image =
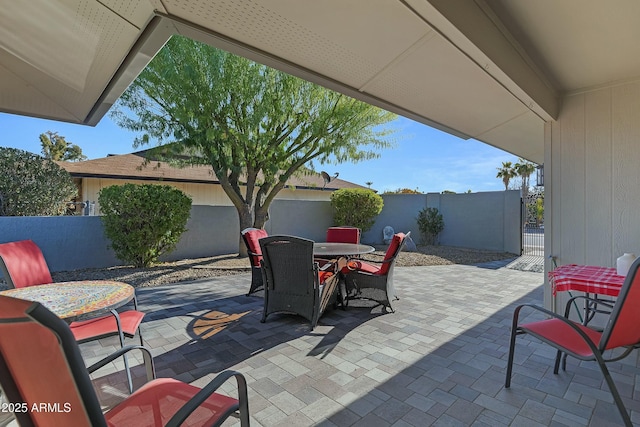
<point x="487" y="220"/>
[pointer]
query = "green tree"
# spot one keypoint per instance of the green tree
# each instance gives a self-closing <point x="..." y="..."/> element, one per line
<point x="56" y="147"/>
<point x="31" y="185"/>
<point x="254" y="125"/>
<point x="356" y="207"/>
<point x="143" y="221"/>
<point x="430" y="224"/>
<point x="506" y="172"/>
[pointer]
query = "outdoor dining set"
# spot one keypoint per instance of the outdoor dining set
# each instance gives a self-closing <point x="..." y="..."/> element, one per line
<point x="303" y="277"/>
<point x="43" y="322"/>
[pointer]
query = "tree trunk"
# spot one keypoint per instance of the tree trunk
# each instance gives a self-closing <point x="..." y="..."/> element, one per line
<point x="261" y="218"/>
<point x="246" y="220"/>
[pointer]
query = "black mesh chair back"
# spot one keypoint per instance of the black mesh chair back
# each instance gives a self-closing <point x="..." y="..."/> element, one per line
<point x="293" y="282"/>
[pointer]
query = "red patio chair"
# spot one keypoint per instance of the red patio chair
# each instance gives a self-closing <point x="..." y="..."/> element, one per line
<point x="364" y="280"/>
<point x="343" y="234"/>
<point x="622" y="333"/>
<point x="23" y="264"/>
<point x="40" y="363"/>
<point x="251" y="236"/>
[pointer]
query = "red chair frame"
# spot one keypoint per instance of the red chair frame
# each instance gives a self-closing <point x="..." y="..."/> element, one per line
<point x="575" y="339"/>
<point x="40" y="362"/>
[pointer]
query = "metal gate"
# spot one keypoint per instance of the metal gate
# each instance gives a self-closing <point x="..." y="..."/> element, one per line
<point x="532" y="224"/>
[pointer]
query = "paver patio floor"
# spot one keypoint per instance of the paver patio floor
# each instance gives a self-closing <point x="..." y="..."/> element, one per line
<point x="438" y="360"/>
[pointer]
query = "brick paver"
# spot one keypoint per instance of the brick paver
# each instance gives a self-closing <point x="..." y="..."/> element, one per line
<point x="438" y="360"/>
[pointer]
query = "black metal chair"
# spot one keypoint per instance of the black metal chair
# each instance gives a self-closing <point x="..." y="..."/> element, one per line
<point x="294" y="283"/>
<point x="364" y="280"/>
<point x="620" y="336"/>
<point x="251" y="236"/>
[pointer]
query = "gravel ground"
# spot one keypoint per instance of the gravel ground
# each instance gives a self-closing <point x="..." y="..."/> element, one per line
<point x="225" y="265"/>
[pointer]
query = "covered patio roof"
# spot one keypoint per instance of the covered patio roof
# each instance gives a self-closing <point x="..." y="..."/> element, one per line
<point x="493" y="70"/>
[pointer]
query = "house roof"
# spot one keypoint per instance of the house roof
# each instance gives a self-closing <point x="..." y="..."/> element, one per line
<point x="493" y="70"/>
<point x="131" y="166"/>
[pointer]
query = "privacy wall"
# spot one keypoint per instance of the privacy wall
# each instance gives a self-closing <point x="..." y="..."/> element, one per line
<point x="485" y="220"/>
<point x="479" y="220"/>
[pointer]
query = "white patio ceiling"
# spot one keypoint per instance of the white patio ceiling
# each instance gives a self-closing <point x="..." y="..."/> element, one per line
<point x="493" y="70"/>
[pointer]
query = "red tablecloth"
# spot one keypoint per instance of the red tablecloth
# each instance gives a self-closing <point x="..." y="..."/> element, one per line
<point x="586" y="278"/>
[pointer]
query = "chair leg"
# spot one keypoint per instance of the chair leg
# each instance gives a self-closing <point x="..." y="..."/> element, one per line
<point x="616" y="395"/>
<point x="124" y="356"/>
<point x="556" y="366"/>
<point x="512" y="347"/>
<point x="135" y="307"/>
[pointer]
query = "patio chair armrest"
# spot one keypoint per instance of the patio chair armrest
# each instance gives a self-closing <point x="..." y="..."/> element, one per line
<point x="146" y="354"/>
<point x="197" y="400"/>
<point x="564" y="320"/>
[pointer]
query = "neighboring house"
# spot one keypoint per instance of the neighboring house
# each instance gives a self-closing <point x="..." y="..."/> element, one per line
<point x="199" y="182"/>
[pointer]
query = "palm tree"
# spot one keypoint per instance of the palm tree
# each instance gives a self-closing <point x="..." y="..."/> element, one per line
<point x="506" y="172"/>
<point x="524" y="169"/>
<point x="369" y="183"/>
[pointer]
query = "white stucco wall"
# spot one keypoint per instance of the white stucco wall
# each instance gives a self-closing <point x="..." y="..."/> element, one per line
<point x="592" y="178"/>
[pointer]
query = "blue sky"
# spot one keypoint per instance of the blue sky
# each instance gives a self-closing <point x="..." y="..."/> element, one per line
<point x="423" y="157"/>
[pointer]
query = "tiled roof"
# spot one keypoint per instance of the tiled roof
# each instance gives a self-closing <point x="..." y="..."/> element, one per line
<point x="131" y="166"/>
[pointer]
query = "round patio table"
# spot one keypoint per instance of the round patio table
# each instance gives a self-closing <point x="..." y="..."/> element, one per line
<point x="333" y="249"/>
<point x="81" y="300"/>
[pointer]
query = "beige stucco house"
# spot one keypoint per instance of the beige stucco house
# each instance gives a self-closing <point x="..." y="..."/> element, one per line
<point x="554" y="81"/>
<point x="199" y="182"/>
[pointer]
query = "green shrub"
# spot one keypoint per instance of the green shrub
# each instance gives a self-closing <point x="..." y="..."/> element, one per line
<point x="430" y="224"/>
<point x="30" y="185"/>
<point x="356" y="207"/>
<point x="143" y="221"/>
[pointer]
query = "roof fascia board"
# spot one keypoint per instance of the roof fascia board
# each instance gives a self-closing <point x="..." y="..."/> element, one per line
<point x="154" y="36"/>
<point x="476" y="31"/>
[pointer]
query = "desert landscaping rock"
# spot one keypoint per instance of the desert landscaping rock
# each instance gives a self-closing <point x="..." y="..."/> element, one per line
<point x="231" y="264"/>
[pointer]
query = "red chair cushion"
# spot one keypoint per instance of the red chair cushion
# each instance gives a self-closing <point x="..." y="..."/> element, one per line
<point x="157" y="401"/>
<point x="563" y="335"/>
<point x="92" y="329"/>
<point x="252" y="237"/>
<point x="25" y="263"/>
<point x="393" y="246"/>
<point x="343" y="235"/>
